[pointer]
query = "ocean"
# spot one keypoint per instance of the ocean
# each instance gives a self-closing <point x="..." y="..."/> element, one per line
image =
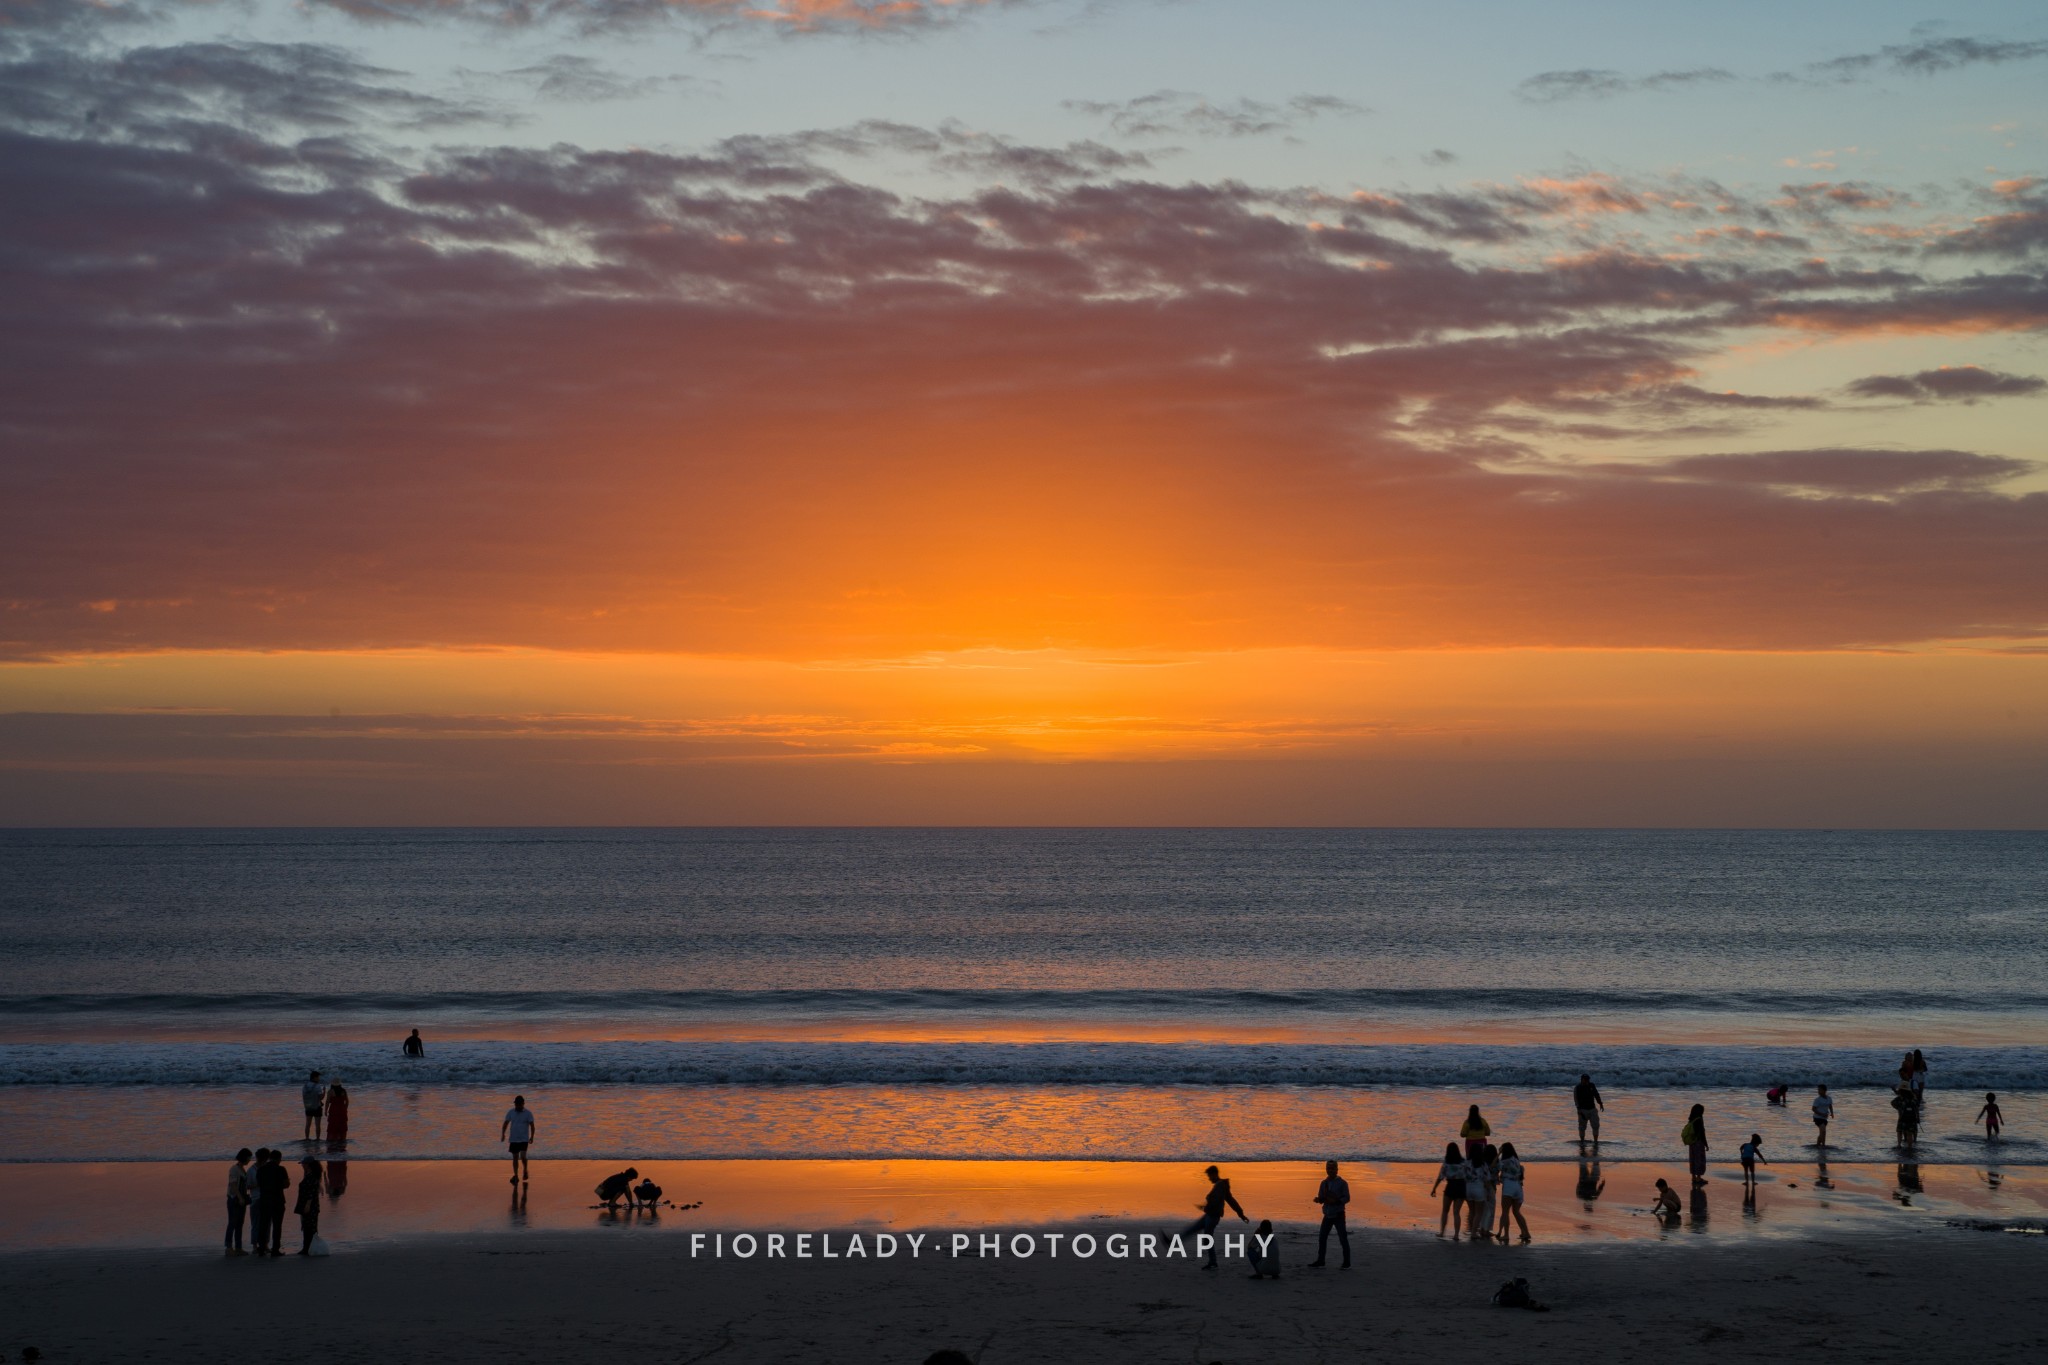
<point x="1012" y="994"/>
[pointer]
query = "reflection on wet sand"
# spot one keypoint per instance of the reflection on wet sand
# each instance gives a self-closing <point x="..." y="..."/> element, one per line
<point x="170" y="1204"/>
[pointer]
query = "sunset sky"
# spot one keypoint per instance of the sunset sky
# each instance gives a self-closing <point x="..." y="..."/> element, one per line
<point x="1045" y="411"/>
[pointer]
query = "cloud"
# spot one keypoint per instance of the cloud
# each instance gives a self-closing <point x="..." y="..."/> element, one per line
<point x="1849" y="471"/>
<point x="593" y="16"/>
<point x="1929" y="57"/>
<point x="745" y="399"/>
<point x="1964" y="383"/>
<point x="1557" y="87"/>
<point x="581" y="80"/>
<point x="1178" y="113"/>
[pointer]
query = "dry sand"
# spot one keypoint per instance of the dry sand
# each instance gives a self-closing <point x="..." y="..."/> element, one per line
<point x="1928" y="1293"/>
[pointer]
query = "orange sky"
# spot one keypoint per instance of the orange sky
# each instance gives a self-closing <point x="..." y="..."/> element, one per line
<point x="361" y="470"/>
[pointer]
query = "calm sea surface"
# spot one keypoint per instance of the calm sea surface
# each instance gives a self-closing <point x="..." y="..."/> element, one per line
<point x="1028" y="993"/>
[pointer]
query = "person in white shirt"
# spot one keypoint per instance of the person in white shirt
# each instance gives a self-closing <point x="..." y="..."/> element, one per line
<point x="1823" y="1114"/>
<point x="241" y="1194"/>
<point x="517" y="1133"/>
<point x="313" y="1096"/>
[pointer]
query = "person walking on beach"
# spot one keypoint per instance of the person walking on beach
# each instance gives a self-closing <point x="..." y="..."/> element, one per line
<point x="1511" y="1190"/>
<point x="1450" y="1177"/>
<point x="1753" y="1152"/>
<point x="1823" y="1113"/>
<point x="1586" y="1099"/>
<point x="1475" y="1130"/>
<point x="1991" y="1118"/>
<point x="238" y="1201"/>
<point x="1694" y="1136"/>
<point x="337" y="1118"/>
<point x="272" y="1181"/>
<point x="516" y="1132"/>
<point x="1213" y="1203"/>
<point x="308" y="1205"/>
<point x="413" y="1047"/>
<point x="1333" y="1194"/>
<point x="313" y="1098"/>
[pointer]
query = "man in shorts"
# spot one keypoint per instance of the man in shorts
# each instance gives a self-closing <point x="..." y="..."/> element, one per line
<point x="517" y="1133"/>
<point x="313" y="1097"/>
<point x="1586" y="1099"/>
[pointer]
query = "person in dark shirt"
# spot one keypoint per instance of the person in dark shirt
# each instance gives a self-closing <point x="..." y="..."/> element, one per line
<point x="1586" y="1099"/>
<point x="308" y="1204"/>
<point x="647" y="1194"/>
<point x="272" y="1180"/>
<point x="1333" y="1194"/>
<point x="414" y="1047"/>
<point x="1213" y="1204"/>
<point x="617" y="1187"/>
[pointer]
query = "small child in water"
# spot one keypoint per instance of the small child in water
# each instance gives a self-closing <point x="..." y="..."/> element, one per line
<point x="1753" y="1152"/>
<point x="1991" y="1118"/>
<point x="1667" y="1205"/>
<point x="1777" y="1093"/>
<point x="1266" y="1262"/>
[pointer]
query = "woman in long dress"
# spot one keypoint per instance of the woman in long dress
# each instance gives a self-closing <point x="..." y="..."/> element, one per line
<point x="1695" y="1136"/>
<point x="337" y="1118"/>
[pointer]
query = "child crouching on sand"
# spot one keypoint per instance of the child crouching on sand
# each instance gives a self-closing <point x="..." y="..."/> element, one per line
<point x="1265" y="1252"/>
<point x="1667" y="1205"/>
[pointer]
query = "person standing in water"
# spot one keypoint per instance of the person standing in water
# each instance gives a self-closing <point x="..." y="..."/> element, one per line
<point x="337" y="1118"/>
<point x="516" y="1132"/>
<point x="1991" y="1118"/>
<point x="1333" y="1194"/>
<point x="1823" y="1113"/>
<point x="1586" y="1099"/>
<point x="1753" y="1152"/>
<point x="1918" y="1081"/>
<point x="413" y="1047"/>
<point x="1694" y="1136"/>
<point x="1475" y="1131"/>
<point x="313" y="1098"/>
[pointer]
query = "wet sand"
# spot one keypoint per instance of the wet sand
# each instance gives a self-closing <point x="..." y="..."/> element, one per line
<point x="1920" y="1292"/>
<point x="175" y="1205"/>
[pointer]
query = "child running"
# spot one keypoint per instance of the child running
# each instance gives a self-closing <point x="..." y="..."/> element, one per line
<point x="1753" y="1152"/>
<point x="1991" y="1118"/>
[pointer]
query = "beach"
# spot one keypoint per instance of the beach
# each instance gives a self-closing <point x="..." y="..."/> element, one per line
<point x="1920" y="1294"/>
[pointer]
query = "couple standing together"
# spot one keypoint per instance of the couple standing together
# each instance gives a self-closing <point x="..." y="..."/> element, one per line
<point x="329" y="1103"/>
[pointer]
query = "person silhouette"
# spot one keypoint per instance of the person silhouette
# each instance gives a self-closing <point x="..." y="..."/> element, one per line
<point x="413" y="1047"/>
<point x="1333" y="1194"/>
<point x="1213" y="1203"/>
<point x="1586" y="1100"/>
<point x="516" y="1132"/>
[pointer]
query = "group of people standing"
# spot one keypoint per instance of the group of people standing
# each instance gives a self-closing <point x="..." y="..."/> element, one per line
<point x="1479" y="1181"/>
<point x="257" y="1188"/>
